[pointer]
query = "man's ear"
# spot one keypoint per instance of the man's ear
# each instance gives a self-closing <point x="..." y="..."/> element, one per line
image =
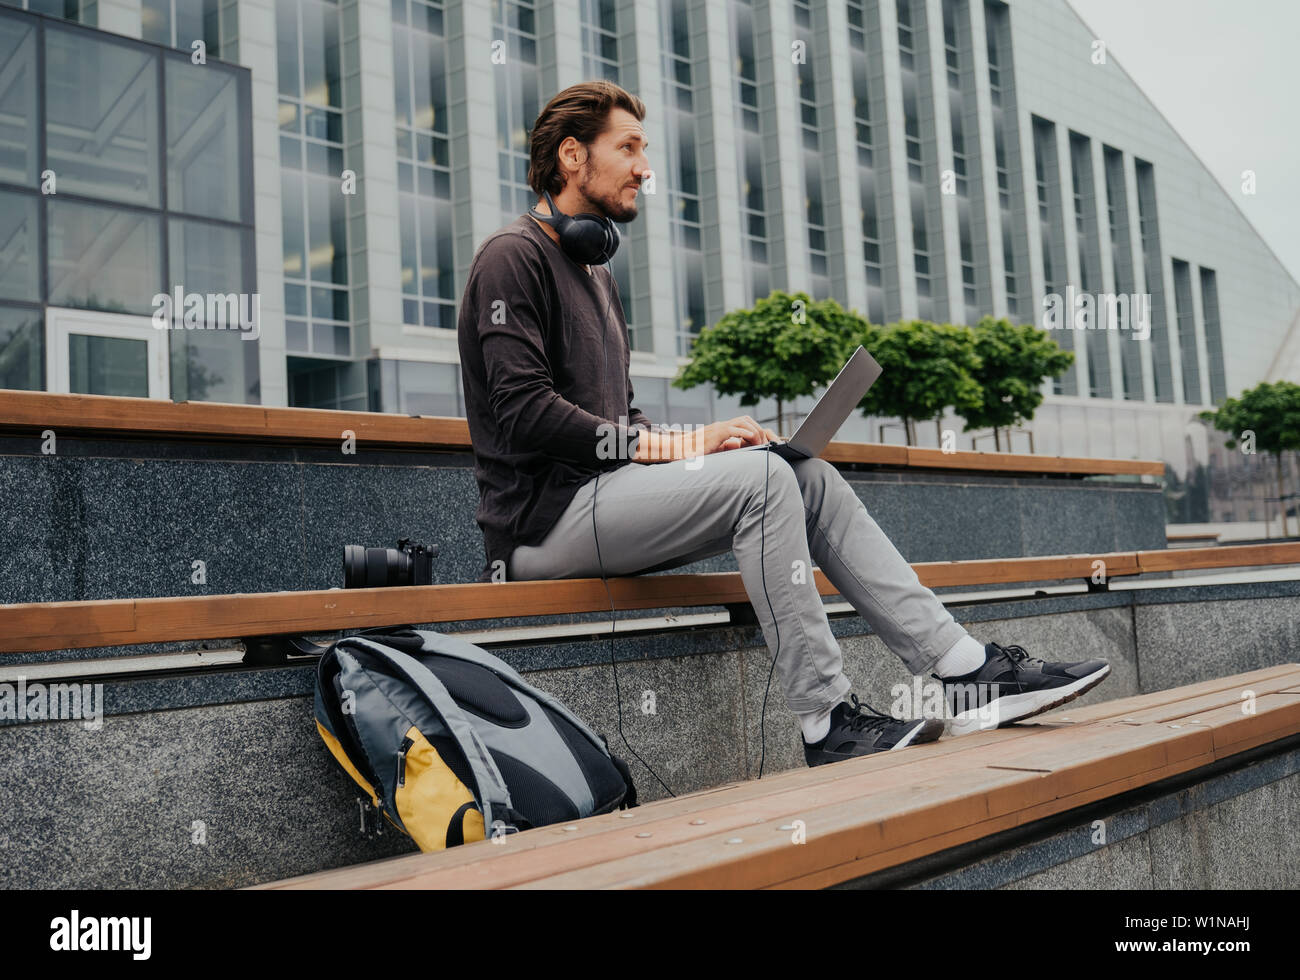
<point x="580" y="159"/>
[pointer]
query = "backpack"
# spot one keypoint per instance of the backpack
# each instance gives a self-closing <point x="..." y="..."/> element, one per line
<point x="452" y="745"/>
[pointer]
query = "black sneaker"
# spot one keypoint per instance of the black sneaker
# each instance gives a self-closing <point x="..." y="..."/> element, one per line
<point x="1011" y="685"/>
<point x="861" y="730"/>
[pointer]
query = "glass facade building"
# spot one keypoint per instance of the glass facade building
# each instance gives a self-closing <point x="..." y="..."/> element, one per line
<point x="125" y="175"/>
<point x="339" y="161"/>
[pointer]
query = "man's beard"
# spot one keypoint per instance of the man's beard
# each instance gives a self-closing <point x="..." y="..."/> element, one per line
<point x="613" y="208"/>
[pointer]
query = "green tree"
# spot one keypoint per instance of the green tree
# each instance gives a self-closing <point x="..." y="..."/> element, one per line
<point x="927" y="368"/>
<point x="784" y="347"/>
<point x="1265" y="418"/>
<point x="1015" y="360"/>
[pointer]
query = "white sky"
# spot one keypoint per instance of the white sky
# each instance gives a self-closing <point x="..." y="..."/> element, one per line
<point x="1226" y="74"/>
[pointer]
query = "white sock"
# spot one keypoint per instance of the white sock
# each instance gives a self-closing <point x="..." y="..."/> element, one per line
<point x="816" y="724"/>
<point x="965" y="655"/>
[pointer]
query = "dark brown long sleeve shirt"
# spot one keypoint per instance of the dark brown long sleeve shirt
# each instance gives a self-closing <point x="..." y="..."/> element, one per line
<point x="535" y="342"/>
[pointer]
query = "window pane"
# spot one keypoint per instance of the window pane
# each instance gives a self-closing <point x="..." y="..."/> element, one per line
<point x="430" y="108"/>
<point x="102" y="258"/>
<point x="402" y="75"/>
<point x="203" y="141"/>
<point x="156" y="21"/>
<point x="101" y="117"/>
<point x="20" y="267"/>
<point x="189" y="25"/>
<point x="320" y="53"/>
<point x="108" y="366"/>
<point x="213" y="365"/>
<point x="328" y="239"/>
<point x="206" y="258"/>
<point x="286" y="46"/>
<point x="295" y="264"/>
<point x="17" y="101"/>
<point x="409" y="258"/>
<point x="22" y="334"/>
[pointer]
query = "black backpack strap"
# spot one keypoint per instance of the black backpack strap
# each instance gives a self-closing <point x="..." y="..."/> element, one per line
<point x="629" y="800"/>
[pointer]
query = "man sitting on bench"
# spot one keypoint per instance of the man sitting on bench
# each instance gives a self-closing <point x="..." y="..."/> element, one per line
<point x="535" y="323"/>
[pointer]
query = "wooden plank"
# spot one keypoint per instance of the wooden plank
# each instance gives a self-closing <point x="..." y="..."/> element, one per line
<point x="1038" y="569"/>
<point x="134" y="417"/>
<point x="1226" y="556"/>
<point x="869" y="453"/>
<point x="501" y="865"/>
<point x="1030" y="463"/>
<point x="30" y="627"/>
<point x="1073" y="760"/>
<point x="27" y="627"/>
<point x="840" y="834"/>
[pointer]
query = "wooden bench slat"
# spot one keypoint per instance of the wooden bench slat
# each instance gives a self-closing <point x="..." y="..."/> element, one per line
<point x="503" y="865"/>
<point x="126" y="416"/>
<point x="937" y="574"/>
<point x="842" y="835"/>
<point x="1031" y="463"/>
<point x="30" y="627"/>
<point x="900" y="794"/>
<point x="1227" y="556"/>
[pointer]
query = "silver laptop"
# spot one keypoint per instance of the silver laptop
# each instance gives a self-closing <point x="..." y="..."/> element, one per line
<point x="834" y="406"/>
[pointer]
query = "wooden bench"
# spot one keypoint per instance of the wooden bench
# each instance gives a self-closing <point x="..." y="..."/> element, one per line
<point x="31" y="412"/>
<point x="40" y="626"/>
<point x="868" y="814"/>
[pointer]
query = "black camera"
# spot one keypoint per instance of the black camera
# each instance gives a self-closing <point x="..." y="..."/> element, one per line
<point x="373" y="568"/>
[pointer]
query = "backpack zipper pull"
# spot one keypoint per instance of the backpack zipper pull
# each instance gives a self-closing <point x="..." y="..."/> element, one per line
<point x="401" y="760"/>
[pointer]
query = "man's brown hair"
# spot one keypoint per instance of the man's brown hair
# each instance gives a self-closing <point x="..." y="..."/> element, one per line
<point x="580" y="111"/>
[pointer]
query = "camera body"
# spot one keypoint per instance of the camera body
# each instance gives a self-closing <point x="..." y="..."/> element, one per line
<point x="371" y="568"/>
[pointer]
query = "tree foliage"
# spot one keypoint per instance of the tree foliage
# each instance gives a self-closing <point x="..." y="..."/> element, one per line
<point x="1267" y="418"/>
<point x="1271" y="410"/>
<point x="788" y="346"/>
<point x="1015" y="360"/>
<point x="784" y="347"/>
<point x="927" y="368"/>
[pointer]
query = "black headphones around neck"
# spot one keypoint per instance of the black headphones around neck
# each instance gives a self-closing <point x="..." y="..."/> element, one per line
<point x="589" y="239"/>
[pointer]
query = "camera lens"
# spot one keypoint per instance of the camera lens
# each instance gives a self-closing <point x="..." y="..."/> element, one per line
<point x="374" y="568"/>
<point x="354" y="566"/>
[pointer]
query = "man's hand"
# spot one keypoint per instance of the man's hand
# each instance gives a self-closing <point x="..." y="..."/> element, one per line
<point x="658" y="447"/>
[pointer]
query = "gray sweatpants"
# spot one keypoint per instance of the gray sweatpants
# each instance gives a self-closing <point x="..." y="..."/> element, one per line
<point x="654" y="516"/>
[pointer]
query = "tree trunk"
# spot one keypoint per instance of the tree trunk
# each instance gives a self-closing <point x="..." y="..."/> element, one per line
<point x="1280" y="501"/>
<point x="780" y="427"/>
<point x="909" y="427"/>
<point x="997" y="440"/>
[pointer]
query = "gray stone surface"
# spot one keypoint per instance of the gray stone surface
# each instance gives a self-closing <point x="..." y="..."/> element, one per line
<point x="36" y="549"/>
<point x="1247" y="841"/>
<point x="124" y="519"/>
<point x="692" y="737"/>
<point x="121" y="807"/>
<point x="1078" y="842"/>
<point x="1186" y="642"/>
<point x="1122" y="864"/>
<point x="1183" y="839"/>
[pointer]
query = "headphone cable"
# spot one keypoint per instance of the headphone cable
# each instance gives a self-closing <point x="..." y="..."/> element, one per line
<point x="613" y="662"/>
